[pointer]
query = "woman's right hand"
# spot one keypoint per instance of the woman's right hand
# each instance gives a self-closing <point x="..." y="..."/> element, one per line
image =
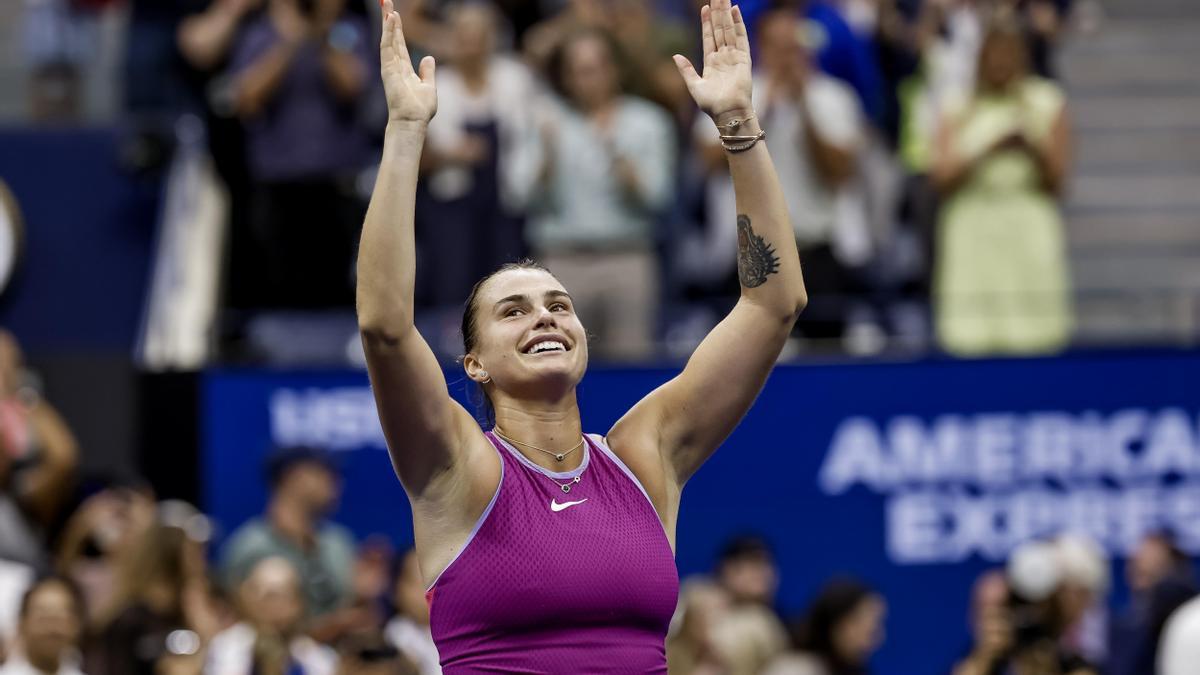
<point x="410" y="97"/>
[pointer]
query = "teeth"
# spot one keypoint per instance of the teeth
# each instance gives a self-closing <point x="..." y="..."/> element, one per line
<point x="548" y="345"/>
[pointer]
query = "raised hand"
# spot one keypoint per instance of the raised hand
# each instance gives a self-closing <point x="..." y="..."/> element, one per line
<point x="726" y="82"/>
<point x="410" y="97"/>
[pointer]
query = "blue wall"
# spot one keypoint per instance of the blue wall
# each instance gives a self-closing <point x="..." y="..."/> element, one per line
<point x="916" y="476"/>
<point x="89" y="227"/>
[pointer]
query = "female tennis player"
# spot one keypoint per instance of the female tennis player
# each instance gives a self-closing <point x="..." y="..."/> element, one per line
<point x="547" y="550"/>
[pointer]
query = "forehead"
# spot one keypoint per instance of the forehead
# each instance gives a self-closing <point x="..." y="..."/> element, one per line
<point x="50" y="596"/>
<point x="587" y="49"/>
<point x="471" y="16"/>
<point x="532" y="283"/>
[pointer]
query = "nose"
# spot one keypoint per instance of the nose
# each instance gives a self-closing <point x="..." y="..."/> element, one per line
<point x="545" y="318"/>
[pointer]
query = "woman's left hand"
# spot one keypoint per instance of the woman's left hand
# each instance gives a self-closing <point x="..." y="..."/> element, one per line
<point x="725" y="86"/>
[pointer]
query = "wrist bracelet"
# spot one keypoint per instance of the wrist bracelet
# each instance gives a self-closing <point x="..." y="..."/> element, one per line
<point x="735" y="122"/>
<point x="742" y="143"/>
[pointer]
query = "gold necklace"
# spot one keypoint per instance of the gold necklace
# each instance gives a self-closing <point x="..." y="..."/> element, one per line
<point x="558" y="456"/>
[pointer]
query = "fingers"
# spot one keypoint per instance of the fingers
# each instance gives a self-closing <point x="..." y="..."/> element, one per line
<point x="722" y="19"/>
<point x="427" y="70"/>
<point x="706" y="30"/>
<point x="391" y="41"/>
<point x="739" y="26"/>
<point x="687" y="70"/>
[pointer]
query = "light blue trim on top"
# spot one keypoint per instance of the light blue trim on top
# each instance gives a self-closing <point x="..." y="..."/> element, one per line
<point x="599" y="441"/>
<point x="478" y="523"/>
<point x="557" y="475"/>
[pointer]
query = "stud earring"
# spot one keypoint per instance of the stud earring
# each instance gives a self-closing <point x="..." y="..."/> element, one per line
<point x="484" y="375"/>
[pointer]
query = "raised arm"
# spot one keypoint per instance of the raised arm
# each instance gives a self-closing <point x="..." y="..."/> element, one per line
<point x="423" y="425"/>
<point x="680" y="424"/>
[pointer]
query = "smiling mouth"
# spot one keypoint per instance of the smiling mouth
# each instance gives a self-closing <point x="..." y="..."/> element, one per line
<point x="547" y="347"/>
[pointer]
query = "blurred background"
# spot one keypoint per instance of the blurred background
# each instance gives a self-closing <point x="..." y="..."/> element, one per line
<point x="992" y="453"/>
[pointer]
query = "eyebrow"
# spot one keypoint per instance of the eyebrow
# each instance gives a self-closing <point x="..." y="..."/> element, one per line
<point x="521" y="297"/>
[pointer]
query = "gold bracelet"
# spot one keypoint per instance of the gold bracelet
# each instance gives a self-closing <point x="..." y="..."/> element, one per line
<point x="737" y="144"/>
<point x="736" y="122"/>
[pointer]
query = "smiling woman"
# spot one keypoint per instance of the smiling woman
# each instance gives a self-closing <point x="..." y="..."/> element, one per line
<point x="520" y="580"/>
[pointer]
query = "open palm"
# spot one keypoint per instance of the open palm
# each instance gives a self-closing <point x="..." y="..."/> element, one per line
<point x="410" y="97"/>
<point x="726" y="83"/>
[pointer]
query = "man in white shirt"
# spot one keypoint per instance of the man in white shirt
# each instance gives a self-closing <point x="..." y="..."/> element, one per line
<point x="1179" y="650"/>
<point x="51" y="620"/>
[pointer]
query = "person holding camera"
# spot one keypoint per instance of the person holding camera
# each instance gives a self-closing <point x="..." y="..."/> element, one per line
<point x="1021" y="619"/>
<point x="299" y="70"/>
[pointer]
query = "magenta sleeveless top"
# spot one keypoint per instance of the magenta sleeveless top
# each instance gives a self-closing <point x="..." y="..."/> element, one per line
<point x="554" y="582"/>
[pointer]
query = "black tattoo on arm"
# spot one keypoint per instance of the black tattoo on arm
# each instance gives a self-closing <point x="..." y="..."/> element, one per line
<point x="756" y="258"/>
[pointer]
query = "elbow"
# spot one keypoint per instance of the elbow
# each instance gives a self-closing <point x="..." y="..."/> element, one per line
<point x="798" y="305"/>
<point x="378" y="332"/>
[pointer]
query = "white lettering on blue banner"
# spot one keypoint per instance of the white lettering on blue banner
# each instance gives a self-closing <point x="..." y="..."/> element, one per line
<point x="963" y="485"/>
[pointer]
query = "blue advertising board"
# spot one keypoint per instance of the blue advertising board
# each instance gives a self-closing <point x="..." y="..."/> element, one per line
<point x="914" y="476"/>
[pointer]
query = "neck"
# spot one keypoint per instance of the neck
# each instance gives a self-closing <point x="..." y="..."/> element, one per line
<point x="46" y="663"/>
<point x="600" y="108"/>
<point x="474" y="73"/>
<point x="291" y="520"/>
<point x="553" y="426"/>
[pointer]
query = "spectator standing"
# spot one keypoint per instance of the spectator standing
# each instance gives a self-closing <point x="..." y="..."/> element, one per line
<point x="817" y="131"/>
<point x="299" y="71"/>
<point x="50" y="626"/>
<point x="1001" y="162"/>
<point x="486" y="102"/>
<point x="598" y="183"/>
<point x="304" y="491"/>
<point x="837" y="636"/>
<point x="270" y="639"/>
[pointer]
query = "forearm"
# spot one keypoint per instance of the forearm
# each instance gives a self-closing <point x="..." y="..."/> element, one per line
<point x="60" y="455"/>
<point x="344" y="73"/>
<point x="768" y="262"/>
<point x="205" y="38"/>
<point x="387" y="258"/>
<point x="258" y="84"/>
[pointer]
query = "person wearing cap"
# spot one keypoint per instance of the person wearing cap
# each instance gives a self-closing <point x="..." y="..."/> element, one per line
<point x="305" y="488"/>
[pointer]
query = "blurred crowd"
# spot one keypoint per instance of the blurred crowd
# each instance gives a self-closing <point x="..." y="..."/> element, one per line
<point x="102" y="577"/>
<point x="922" y="144"/>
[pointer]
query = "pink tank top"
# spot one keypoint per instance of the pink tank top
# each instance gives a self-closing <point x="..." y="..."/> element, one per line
<point x="554" y="582"/>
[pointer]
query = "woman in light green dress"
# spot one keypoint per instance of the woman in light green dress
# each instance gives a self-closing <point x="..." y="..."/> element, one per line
<point x="1001" y="281"/>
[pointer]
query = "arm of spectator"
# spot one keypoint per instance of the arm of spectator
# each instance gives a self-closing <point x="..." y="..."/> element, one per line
<point x="343" y="57"/>
<point x="44" y="484"/>
<point x="262" y="63"/>
<point x="647" y="175"/>
<point x="1053" y="154"/>
<point x="949" y="167"/>
<point x="831" y="132"/>
<point x="682" y="422"/>
<point x="204" y="39"/>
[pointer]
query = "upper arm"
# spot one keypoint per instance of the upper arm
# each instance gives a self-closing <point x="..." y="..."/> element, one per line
<point x="687" y="418"/>
<point x="427" y="431"/>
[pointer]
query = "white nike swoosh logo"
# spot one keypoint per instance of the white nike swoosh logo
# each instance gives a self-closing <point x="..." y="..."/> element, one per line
<point x="556" y="507"/>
